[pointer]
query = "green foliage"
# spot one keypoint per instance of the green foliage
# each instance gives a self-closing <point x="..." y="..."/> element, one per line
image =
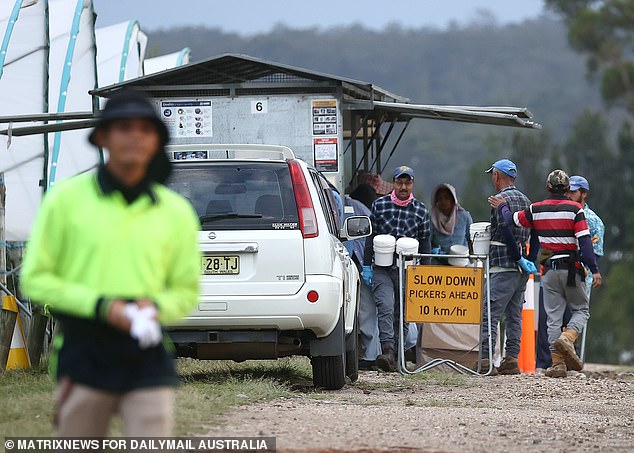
<point x="613" y="84"/>
<point x="604" y="30"/>
<point x="612" y="316"/>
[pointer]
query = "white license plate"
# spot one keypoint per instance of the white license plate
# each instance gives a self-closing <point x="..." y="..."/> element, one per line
<point x="220" y="265"/>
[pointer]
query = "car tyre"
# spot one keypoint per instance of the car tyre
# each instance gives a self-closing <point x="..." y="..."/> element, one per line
<point x="329" y="372"/>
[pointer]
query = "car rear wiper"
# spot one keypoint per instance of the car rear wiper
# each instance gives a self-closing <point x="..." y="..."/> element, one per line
<point x="227" y="215"/>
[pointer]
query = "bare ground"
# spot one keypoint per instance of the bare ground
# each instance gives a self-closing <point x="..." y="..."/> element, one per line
<point x="589" y="411"/>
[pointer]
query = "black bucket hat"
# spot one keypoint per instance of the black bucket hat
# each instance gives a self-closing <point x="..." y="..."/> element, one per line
<point x="130" y="104"/>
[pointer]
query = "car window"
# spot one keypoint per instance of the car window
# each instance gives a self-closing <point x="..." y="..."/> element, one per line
<point x="328" y="203"/>
<point x="238" y="196"/>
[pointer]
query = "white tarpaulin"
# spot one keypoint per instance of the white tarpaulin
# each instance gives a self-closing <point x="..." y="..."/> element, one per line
<point x="72" y="74"/>
<point x="458" y="342"/>
<point x="120" y="52"/>
<point x="23" y="30"/>
<point x="169" y="61"/>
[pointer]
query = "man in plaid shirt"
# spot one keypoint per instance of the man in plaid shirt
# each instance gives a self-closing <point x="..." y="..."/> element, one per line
<point x="509" y="269"/>
<point x="400" y="215"/>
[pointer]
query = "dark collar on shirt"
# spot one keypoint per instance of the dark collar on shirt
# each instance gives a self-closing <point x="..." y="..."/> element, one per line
<point x="557" y="196"/>
<point x="109" y="184"/>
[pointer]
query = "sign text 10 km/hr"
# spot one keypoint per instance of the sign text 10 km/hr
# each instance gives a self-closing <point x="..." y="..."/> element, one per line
<point x="443" y="294"/>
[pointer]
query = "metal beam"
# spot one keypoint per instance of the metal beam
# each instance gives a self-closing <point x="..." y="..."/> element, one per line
<point x="46" y="128"/>
<point x="467" y="114"/>
<point x="398" y="140"/>
<point x="47" y="117"/>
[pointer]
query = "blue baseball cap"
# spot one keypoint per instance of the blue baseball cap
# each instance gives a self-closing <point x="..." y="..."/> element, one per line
<point x="579" y="182"/>
<point x="402" y="170"/>
<point x="506" y="166"/>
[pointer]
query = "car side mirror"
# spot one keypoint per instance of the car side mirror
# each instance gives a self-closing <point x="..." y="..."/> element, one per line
<point x="356" y="227"/>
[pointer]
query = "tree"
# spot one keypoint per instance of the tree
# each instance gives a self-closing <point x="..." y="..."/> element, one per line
<point x="604" y="30"/>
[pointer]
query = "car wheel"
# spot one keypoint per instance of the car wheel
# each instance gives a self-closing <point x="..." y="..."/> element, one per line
<point x="352" y="357"/>
<point x="328" y="372"/>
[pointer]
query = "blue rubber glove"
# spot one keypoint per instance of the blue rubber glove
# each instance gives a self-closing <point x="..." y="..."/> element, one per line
<point x="366" y="275"/>
<point x="527" y="266"/>
<point x="435" y="250"/>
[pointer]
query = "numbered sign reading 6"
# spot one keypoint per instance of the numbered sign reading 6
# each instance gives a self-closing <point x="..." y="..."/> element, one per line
<point x="259" y="106"/>
<point x="444" y="294"/>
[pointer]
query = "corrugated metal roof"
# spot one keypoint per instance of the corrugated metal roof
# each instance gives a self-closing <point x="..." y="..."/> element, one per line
<point x="232" y="69"/>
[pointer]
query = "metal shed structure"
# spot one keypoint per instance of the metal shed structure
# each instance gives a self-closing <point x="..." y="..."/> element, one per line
<point x="340" y="125"/>
<point x="242" y="99"/>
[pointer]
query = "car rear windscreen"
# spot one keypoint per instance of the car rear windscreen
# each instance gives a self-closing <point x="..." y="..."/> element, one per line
<point x="238" y="196"/>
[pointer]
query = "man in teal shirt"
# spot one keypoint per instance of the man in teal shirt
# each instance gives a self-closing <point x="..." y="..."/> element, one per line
<point x="579" y="188"/>
<point x="113" y="254"/>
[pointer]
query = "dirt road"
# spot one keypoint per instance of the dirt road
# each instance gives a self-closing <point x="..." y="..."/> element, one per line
<point x="433" y="412"/>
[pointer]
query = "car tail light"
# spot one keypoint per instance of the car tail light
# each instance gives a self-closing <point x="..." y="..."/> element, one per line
<point x="305" y="209"/>
<point x="312" y="296"/>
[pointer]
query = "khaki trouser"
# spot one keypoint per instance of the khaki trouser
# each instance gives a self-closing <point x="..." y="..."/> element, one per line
<point x="84" y="411"/>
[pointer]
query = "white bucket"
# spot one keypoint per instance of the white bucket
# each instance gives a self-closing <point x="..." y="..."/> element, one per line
<point x="480" y="233"/>
<point x="407" y="246"/>
<point x="458" y="250"/>
<point x="384" y="247"/>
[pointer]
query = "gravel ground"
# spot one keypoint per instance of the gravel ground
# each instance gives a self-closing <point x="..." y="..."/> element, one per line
<point x="589" y="411"/>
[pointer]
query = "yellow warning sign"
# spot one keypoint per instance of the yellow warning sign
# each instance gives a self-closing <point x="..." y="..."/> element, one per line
<point x="443" y="294"/>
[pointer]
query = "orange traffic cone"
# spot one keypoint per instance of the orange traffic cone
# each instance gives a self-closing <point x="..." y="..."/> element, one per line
<point x="526" y="359"/>
<point x="18" y="354"/>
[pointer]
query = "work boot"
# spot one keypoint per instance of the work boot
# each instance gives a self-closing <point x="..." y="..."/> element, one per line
<point x="565" y="345"/>
<point x="387" y="360"/>
<point x="367" y="365"/>
<point x="410" y="355"/>
<point x="509" y="366"/>
<point x="484" y="367"/>
<point x="559" y="366"/>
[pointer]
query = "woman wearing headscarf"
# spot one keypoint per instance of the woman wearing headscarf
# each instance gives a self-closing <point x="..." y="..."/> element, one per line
<point x="450" y="226"/>
<point x="450" y="221"/>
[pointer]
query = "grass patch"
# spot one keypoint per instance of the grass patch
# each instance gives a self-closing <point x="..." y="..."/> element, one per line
<point x="397" y="382"/>
<point x="443" y="378"/>
<point x="209" y="389"/>
<point x="26" y="402"/>
<point x="394" y="383"/>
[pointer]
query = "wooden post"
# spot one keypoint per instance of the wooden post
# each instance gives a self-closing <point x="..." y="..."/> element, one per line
<point x="8" y="319"/>
<point x="3" y="243"/>
<point x="37" y="332"/>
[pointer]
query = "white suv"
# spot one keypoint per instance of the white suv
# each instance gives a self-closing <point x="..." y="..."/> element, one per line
<point x="275" y="278"/>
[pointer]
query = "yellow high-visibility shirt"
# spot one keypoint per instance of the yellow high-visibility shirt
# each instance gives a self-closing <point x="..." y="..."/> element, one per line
<point x="88" y="245"/>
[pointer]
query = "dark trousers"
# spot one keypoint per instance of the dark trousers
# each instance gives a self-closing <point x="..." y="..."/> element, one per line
<point x="543" y="359"/>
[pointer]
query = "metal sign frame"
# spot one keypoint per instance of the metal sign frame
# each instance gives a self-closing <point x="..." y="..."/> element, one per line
<point x="402" y="368"/>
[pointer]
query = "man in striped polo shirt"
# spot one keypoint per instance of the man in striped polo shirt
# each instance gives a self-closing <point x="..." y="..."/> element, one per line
<point x="563" y="232"/>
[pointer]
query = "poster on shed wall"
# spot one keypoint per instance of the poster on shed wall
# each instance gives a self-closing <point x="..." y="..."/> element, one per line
<point x="324" y="123"/>
<point x="325" y="153"/>
<point x="187" y="118"/>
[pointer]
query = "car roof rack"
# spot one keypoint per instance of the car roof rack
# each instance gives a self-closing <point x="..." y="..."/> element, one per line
<point x="198" y="152"/>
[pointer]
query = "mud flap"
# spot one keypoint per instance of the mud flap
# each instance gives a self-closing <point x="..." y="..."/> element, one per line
<point x="332" y="345"/>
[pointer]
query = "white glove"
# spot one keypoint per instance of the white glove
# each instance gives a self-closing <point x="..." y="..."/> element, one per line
<point x="145" y="327"/>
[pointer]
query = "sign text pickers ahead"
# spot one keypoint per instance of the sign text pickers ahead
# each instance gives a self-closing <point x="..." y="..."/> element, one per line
<point x="443" y="294"/>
